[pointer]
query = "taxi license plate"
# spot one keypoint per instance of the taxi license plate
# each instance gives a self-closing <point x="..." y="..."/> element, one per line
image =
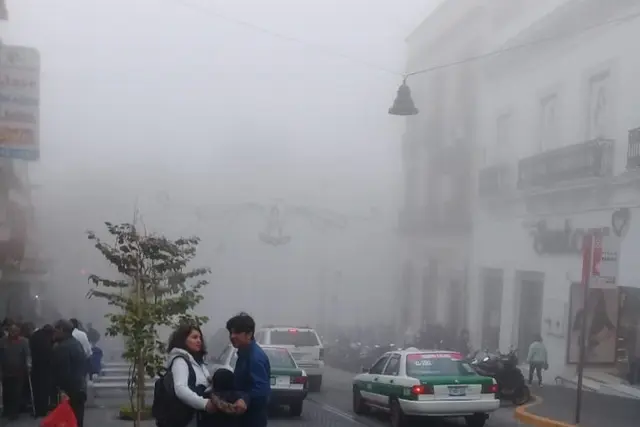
<point x="280" y="381"/>
<point x="457" y="391"/>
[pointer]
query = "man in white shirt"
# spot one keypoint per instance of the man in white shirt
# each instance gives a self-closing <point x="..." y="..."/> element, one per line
<point x="81" y="336"/>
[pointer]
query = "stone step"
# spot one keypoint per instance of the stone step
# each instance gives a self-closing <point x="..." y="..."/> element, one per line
<point x="114" y="389"/>
<point x="115" y="386"/>
<point x="117" y="364"/>
<point x="115" y="371"/>
<point x="114" y="378"/>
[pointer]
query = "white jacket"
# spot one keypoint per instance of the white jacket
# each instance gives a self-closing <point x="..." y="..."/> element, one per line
<point x="82" y="338"/>
<point x="180" y="372"/>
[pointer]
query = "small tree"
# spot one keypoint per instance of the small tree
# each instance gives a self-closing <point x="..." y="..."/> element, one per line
<point x="157" y="290"/>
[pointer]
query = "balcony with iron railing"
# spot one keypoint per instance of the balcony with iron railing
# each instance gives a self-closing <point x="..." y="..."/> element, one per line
<point x="633" y="150"/>
<point x="590" y="159"/>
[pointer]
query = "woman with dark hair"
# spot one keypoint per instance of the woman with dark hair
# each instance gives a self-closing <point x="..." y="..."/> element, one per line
<point x="186" y="354"/>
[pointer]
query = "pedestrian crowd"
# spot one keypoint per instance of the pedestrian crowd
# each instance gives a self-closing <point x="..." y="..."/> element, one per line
<point x="39" y="367"/>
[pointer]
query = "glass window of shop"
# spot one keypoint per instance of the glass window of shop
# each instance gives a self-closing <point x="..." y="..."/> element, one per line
<point x="628" y="348"/>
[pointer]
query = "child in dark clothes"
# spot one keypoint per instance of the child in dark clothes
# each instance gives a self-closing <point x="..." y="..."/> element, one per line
<point x="223" y="396"/>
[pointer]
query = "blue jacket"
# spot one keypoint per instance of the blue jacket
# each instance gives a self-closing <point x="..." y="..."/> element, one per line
<point x="95" y="361"/>
<point x="253" y="372"/>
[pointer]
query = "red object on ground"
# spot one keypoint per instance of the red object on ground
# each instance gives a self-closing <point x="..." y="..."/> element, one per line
<point x="61" y="416"/>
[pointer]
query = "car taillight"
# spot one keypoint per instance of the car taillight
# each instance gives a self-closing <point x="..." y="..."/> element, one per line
<point x="298" y="380"/>
<point x="322" y="354"/>
<point x="417" y="390"/>
<point x="490" y="388"/>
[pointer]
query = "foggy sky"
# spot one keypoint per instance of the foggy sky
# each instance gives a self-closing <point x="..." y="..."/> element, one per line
<point x="142" y="98"/>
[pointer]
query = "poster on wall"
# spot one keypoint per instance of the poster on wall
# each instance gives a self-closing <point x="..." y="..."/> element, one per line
<point x="601" y="316"/>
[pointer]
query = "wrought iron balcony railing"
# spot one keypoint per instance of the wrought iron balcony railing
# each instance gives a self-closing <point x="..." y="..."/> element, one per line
<point x="588" y="159"/>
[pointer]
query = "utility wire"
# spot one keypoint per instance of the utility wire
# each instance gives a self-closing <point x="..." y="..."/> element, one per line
<point x="474" y="58"/>
<point x="535" y="42"/>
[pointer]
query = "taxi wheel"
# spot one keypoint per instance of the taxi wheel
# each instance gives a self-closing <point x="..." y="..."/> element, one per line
<point x="315" y="383"/>
<point x="359" y="407"/>
<point x="398" y="419"/>
<point x="476" y="420"/>
<point x="295" y="409"/>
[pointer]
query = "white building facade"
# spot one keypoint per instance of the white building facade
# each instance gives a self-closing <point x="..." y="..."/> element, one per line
<point x="438" y="156"/>
<point x="559" y="155"/>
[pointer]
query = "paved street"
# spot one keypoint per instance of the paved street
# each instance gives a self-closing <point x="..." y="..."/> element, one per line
<point x="558" y="403"/>
<point x="335" y="398"/>
<point x="329" y="408"/>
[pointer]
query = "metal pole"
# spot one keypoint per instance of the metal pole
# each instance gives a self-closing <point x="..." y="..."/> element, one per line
<point x="583" y="330"/>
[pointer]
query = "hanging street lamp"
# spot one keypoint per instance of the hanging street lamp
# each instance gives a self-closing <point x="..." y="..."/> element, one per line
<point x="403" y="104"/>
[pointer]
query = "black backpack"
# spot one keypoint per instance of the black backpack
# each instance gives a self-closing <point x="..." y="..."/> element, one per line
<point x="167" y="409"/>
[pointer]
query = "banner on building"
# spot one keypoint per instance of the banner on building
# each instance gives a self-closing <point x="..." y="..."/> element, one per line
<point x="19" y="102"/>
<point x="601" y="315"/>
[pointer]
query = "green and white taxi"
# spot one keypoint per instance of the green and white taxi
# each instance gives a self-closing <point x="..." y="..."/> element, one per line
<point x="289" y="385"/>
<point x="425" y="383"/>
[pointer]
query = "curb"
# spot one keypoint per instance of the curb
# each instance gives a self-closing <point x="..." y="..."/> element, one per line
<point x="521" y="414"/>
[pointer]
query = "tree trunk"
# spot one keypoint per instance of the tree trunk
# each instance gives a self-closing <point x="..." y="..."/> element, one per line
<point x="140" y="389"/>
<point x="140" y="362"/>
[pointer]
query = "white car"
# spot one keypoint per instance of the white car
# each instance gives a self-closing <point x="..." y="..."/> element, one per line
<point x="425" y="383"/>
<point x="305" y="347"/>
<point x="288" y="380"/>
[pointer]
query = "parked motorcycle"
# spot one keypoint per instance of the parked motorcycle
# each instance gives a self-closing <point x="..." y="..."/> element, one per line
<point x="504" y="369"/>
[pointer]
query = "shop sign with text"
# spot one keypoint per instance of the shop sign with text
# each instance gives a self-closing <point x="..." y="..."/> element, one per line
<point x="19" y="102"/>
<point x="565" y="240"/>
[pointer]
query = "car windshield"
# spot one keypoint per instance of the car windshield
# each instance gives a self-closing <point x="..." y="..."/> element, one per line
<point x="279" y="358"/>
<point x="294" y="337"/>
<point x="423" y="364"/>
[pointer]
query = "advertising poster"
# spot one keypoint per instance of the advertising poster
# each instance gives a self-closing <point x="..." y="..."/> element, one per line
<point x="601" y="316"/>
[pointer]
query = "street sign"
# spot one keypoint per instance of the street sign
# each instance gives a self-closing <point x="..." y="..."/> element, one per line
<point x="606" y="254"/>
<point x="19" y="102"/>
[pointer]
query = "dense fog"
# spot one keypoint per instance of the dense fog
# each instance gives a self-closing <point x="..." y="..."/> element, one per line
<point x="166" y="106"/>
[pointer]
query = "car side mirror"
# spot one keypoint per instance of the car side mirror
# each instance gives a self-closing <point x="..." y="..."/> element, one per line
<point x="365" y="370"/>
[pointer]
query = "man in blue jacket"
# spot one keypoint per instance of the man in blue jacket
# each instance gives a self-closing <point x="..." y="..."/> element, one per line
<point x="252" y="372"/>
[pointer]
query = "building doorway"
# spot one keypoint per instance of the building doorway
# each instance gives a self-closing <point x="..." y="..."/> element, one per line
<point x="492" y="285"/>
<point x="530" y="314"/>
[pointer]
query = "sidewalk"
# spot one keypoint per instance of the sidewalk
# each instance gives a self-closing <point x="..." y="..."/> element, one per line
<point x="556" y="408"/>
<point x="94" y="417"/>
